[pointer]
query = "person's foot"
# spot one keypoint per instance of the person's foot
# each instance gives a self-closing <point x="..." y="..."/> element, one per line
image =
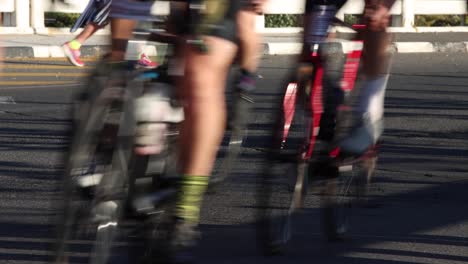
<point x="145" y="63"/>
<point x="73" y="55"/>
<point x="362" y="137"/>
<point x="247" y="83"/>
<point x="184" y="240"/>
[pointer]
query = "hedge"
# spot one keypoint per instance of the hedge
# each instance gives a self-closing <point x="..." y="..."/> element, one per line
<point x="437" y="21"/>
<point x="53" y="19"/>
<point x="283" y="20"/>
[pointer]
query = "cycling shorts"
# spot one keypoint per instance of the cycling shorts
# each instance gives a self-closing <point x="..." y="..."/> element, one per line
<point x="101" y="12"/>
<point x="131" y="9"/>
<point x="222" y="22"/>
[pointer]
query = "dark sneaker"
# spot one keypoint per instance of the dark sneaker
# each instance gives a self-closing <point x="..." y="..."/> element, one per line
<point x="184" y="240"/>
<point x="247" y="83"/>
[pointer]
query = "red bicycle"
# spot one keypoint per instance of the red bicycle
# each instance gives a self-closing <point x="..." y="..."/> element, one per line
<point x="315" y="112"/>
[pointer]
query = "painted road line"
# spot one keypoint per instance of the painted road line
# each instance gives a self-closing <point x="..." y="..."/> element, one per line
<point x="7" y="100"/>
<point x="49" y="86"/>
<point x="42" y="74"/>
<point x="37" y="83"/>
<point x="49" y="59"/>
<point x="42" y="66"/>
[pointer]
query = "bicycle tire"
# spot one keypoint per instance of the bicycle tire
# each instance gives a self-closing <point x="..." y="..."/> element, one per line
<point x="92" y="115"/>
<point x="283" y="183"/>
<point x="73" y="200"/>
<point x="344" y="193"/>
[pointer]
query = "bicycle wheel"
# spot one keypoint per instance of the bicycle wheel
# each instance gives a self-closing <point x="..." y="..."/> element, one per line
<point x="154" y="205"/>
<point x="282" y="186"/>
<point x="79" y="164"/>
<point x="154" y="177"/>
<point x="343" y="192"/>
<point x="96" y="170"/>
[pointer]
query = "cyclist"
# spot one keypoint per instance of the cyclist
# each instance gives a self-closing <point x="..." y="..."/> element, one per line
<point x="202" y="90"/>
<point x="376" y="17"/>
<point x="98" y="19"/>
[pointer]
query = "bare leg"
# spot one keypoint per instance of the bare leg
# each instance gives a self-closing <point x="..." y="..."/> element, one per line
<point x="376" y="60"/>
<point x="376" y="38"/>
<point x="203" y="129"/>
<point x="121" y="31"/>
<point x="249" y="41"/>
<point x="87" y="32"/>
<point x="376" y="69"/>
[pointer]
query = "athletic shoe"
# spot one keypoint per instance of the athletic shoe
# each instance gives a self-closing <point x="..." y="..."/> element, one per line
<point x="145" y="63"/>
<point x="183" y="242"/>
<point x="247" y="83"/>
<point x="73" y="55"/>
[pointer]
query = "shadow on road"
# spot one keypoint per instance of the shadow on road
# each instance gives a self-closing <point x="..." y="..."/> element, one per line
<point x="419" y="216"/>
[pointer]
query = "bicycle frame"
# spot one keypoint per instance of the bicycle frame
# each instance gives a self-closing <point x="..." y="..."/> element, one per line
<point x="351" y="68"/>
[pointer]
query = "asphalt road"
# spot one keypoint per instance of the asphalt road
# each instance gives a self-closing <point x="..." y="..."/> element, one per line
<point x="421" y="207"/>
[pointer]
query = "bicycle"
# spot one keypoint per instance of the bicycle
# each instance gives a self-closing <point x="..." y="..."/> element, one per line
<point x="117" y="176"/>
<point x="317" y="104"/>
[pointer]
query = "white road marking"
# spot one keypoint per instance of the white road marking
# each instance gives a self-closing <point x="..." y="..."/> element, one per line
<point x="7" y="100"/>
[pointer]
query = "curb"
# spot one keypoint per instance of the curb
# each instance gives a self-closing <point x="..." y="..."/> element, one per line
<point x="280" y="48"/>
<point x="55" y="51"/>
<point x="292" y="48"/>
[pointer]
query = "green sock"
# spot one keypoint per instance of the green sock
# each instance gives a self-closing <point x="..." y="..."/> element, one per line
<point x="190" y="197"/>
<point x="75" y="44"/>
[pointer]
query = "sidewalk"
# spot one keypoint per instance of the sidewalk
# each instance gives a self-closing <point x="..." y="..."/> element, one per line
<point x="41" y="46"/>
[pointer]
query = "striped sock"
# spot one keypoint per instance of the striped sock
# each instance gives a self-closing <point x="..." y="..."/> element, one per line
<point x="190" y="197"/>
